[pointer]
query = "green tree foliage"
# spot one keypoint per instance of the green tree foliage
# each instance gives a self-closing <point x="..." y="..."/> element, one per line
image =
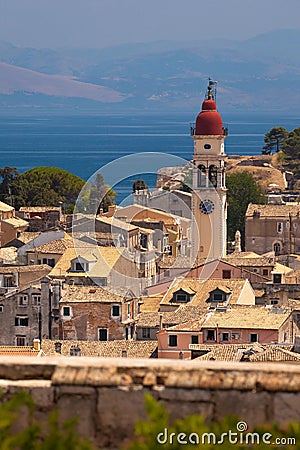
<point x="274" y="139"/>
<point x="139" y="185"/>
<point x="242" y="190"/>
<point x="186" y="430"/>
<point x="8" y="175"/>
<point x="46" y="186"/>
<point x="291" y="150"/>
<point x="35" y="436"/>
<point x="101" y="195"/>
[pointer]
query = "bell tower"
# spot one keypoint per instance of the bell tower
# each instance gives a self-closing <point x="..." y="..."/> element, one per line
<point x="209" y="190"/>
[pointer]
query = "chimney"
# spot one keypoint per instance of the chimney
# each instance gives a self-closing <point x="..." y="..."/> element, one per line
<point x="37" y="344"/>
<point x="160" y="321"/>
<point x="58" y="347"/>
<point x="111" y="210"/>
<point x="237" y="243"/>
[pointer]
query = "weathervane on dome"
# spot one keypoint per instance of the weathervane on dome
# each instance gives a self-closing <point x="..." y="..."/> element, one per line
<point x="211" y="90"/>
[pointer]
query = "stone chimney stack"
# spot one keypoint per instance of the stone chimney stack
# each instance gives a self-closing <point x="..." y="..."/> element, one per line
<point x="141" y="197"/>
<point x="37" y="344"/>
<point x="57" y="346"/>
<point x="56" y="296"/>
<point x="160" y="321"/>
<point x="237" y="245"/>
<point x="45" y="311"/>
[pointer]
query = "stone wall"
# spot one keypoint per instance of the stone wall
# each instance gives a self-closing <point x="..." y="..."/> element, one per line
<point x="107" y="395"/>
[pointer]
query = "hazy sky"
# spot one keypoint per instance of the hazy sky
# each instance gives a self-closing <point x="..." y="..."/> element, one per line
<point x="100" y="23"/>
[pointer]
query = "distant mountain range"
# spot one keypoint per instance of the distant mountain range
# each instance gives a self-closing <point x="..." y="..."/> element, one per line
<point x="261" y="73"/>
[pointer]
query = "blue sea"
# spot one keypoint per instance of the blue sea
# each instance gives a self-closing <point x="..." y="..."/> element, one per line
<point x="83" y="144"/>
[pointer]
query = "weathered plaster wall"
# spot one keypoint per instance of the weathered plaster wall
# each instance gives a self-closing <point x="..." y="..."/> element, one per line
<point x="107" y="395"/>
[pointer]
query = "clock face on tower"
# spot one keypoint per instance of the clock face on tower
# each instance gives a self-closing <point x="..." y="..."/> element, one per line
<point x="206" y="206"/>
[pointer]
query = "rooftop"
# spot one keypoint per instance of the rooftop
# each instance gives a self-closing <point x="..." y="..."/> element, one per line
<point x="89" y="294"/>
<point x="30" y="268"/>
<point x="18" y="351"/>
<point x="116" y="223"/>
<point x="170" y="318"/>
<point x="107" y="349"/>
<point x="58" y="246"/>
<point x="275" y="354"/>
<point x="4" y="207"/>
<point x="105" y="257"/>
<point x="273" y="210"/>
<point x="39" y="208"/>
<point x="202" y="289"/>
<point x="246" y="317"/>
<point x="16" y="222"/>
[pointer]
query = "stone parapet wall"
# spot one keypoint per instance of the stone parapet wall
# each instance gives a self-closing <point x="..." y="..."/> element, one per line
<point x="107" y="395"/>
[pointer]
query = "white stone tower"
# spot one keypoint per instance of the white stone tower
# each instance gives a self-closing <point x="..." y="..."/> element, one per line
<point x="209" y="190"/>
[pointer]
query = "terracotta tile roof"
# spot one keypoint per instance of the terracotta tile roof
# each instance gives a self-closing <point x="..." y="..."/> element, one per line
<point x="8" y="254"/>
<point x="132" y="210"/>
<point x="18" y="351"/>
<point x="185" y="313"/>
<point x="228" y="352"/>
<point x="294" y="304"/>
<point x="254" y="317"/>
<point x="4" y="207"/>
<point x="106" y="258"/>
<point x="259" y="293"/>
<point x="182" y="314"/>
<point x="181" y="262"/>
<point x="236" y="317"/>
<point x="150" y="319"/>
<point x="241" y="261"/>
<point x="192" y="325"/>
<point x="16" y="222"/>
<point x="31" y="268"/>
<point x="39" y="208"/>
<point x="150" y="304"/>
<point x="273" y="210"/>
<point x="117" y="223"/>
<point x="89" y="294"/>
<point x="280" y="268"/>
<point x="275" y="354"/>
<point x="27" y="236"/>
<point x="107" y="349"/>
<point x="202" y="290"/>
<point x="58" y="246"/>
<point x="236" y="352"/>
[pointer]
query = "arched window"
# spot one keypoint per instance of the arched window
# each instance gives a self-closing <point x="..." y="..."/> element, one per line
<point x="213" y="175"/>
<point x="201" y="176"/>
<point x="277" y="248"/>
<point x="223" y="179"/>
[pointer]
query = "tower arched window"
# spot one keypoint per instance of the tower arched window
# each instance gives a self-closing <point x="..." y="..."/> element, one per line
<point x="223" y="179"/>
<point x="277" y="248"/>
<point x="213" y="175"/>
<point x="201" y="175"/>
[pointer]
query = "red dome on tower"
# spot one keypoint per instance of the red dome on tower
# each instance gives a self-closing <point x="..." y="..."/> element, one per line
<point x="209" y="121"/>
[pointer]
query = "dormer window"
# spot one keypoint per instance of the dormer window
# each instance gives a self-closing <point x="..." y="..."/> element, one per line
<point x="78" y="267"/>
<point x="80" y="264"/>
<point x="219" y="295"/>
<point x="182" y="296"/>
